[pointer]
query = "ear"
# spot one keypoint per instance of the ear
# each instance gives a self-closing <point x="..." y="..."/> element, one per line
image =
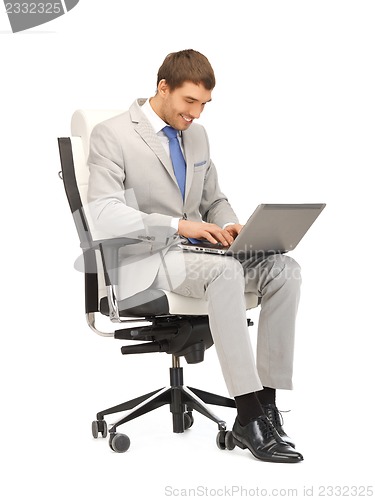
<point x="163" y="88"/>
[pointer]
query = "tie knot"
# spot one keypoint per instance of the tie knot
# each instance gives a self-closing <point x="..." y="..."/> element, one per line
<point x="170" y="132"/>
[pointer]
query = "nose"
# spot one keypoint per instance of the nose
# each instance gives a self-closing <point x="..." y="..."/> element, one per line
<point x="195" y="111"/>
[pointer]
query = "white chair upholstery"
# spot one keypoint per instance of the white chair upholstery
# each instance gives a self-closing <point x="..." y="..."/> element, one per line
<point x="83" y="121"/>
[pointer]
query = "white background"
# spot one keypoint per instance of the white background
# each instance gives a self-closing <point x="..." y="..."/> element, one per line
<point x="292" y="120"/>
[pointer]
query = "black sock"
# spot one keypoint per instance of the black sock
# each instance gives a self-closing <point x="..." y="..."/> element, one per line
<point x="248" y="407"/>
<point x="267" y="396"/>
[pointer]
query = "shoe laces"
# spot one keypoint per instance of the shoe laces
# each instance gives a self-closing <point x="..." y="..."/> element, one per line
<point x="266" y="426"/>
<point x="275" y="415"/>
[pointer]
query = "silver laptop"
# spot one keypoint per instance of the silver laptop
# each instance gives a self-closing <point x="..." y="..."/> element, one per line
<point x="272" y="228"/>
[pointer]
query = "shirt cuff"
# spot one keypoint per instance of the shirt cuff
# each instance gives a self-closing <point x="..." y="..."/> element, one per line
<point x="174" y="223"/>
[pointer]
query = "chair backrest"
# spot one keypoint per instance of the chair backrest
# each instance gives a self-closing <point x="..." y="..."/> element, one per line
<point x="84" y="120"/>
<point x="74" y="154"/>
<point x="82" y="124"/>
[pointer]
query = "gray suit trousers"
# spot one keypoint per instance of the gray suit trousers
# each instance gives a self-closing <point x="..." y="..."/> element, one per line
<point x="222" y="281"/>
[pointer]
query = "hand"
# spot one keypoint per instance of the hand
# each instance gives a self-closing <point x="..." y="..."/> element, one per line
<point x="209" y="232"/>
<point x="234" y="230"/>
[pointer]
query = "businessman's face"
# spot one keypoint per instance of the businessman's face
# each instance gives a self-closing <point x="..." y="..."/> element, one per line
<point x="181" y="106"/>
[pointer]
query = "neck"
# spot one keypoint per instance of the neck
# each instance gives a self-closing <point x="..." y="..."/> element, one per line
<point x="156" y="106"/>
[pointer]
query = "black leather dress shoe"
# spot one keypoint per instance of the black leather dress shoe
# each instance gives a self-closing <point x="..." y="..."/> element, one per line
<point x="276" y="420"/>
<point x="261" y="438"/>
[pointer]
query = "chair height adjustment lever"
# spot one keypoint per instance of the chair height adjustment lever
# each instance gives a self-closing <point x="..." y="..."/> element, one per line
<point x="162" y="346"/>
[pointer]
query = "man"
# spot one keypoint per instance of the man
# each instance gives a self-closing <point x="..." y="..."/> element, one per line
<point x="151" y="177"/>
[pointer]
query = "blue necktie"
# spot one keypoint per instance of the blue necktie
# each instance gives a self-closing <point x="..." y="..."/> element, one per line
<point x="178" y="160"/>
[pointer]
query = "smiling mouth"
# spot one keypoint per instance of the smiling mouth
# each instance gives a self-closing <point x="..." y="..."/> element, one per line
<point x="187" y="119"/>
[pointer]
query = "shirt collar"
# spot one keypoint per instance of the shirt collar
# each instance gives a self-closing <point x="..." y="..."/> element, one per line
<point x="156" y="122"/>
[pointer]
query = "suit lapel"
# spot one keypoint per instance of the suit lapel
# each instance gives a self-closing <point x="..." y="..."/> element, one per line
<point x="143" y="127"/>
<point x="188" y="150"/>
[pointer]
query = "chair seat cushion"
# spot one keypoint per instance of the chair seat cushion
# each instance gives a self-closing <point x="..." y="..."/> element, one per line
<point x="151" y="302"/>
<point x="156" y="302"/>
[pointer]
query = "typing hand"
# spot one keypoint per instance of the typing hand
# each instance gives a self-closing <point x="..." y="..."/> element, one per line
<point x="205" y="231"/>
<point x="234" y="230"/>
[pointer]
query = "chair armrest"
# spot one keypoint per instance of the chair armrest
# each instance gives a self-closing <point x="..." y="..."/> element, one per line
<point x="109" y="249"/>
<point x="110" y="242"/>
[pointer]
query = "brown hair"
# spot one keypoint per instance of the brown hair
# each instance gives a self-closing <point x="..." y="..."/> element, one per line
<point x="186" y="66"/>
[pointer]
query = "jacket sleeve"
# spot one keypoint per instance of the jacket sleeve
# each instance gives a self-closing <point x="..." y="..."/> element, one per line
<point x="114" y="211"/>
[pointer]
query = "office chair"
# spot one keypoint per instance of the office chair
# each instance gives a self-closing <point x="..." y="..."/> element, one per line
<point x="159" y="320"/>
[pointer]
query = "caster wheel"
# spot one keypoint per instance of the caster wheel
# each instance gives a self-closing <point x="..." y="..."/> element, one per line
<point x="99" y="426"/>
<point x="119" y="443"/>
<point x="220" y="440"/>
<point x="224" y="440"/>
<point x="188" y="420"/>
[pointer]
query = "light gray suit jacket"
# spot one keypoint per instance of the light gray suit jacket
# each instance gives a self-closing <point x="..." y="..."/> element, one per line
<point x="133" y="191"/>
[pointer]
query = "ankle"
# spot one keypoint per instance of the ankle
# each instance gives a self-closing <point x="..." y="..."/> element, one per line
<point x="267" y="396"/>
<point x="248" y="408"/>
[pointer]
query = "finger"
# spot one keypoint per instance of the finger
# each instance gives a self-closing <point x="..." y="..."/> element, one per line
<point x="224" y="237"/>
<point x="208" y="236"/>
<point x="228" y="236"/>
<point x="234" y="230"/>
